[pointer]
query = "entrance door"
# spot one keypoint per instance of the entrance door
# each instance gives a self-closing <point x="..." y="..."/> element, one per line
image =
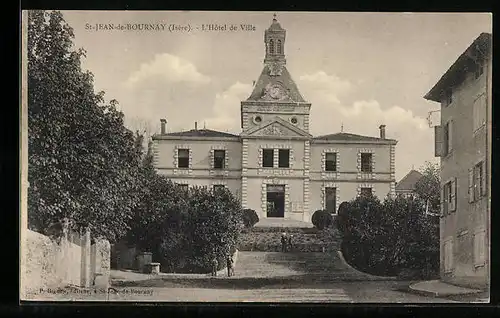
<point x="275" y="201"/>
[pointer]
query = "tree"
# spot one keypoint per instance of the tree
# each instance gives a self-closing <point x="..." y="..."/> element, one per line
<point x="428" y="187"/>
<point x="83" y="164"/>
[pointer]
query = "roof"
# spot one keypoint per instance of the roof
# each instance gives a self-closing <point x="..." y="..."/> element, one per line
<point x="284" y="78"/>
<point x="200" y="133"/>
<point x="409" y="181"/>
<point x="352" y="137"/>
<point x="455" y="73"/>
<point x="275" y="26"/>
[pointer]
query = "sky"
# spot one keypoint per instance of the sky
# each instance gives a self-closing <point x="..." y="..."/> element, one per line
<point x="358" y="70"/>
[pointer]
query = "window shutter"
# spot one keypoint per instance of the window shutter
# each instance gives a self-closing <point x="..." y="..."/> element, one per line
<point x="484" y="178"/>
<point x="438" y="141"/>
<point x="453" y="203"/>
<point x="450" y="136"/>
<point x="442" y="202"/>
<point x="471" y="185"/>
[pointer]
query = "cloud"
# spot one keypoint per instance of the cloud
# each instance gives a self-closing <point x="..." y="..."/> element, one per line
<point x="170" y="68"/>
<point x="330" y="86"/>
<point x="328" y="113"/>
<point x="226" y="110"/>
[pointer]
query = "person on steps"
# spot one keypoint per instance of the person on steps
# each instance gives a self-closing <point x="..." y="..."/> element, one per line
<point x="290" y="242"/>
<point x="283" y="242"/>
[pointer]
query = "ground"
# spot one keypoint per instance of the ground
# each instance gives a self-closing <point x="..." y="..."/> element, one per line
<point x="260" y="277"/>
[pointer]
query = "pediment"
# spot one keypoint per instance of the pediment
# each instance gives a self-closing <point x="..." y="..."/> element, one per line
<point x="276" y="128"/>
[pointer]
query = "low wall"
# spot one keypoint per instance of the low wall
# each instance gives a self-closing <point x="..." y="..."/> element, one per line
<point x="50" y="264"/>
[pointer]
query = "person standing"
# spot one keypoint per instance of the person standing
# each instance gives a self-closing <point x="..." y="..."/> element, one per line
<point x="215" y="264"/>
<point x="283" y="242"/>
<point x="290" y="241"/>
<point x="230" y="266"/>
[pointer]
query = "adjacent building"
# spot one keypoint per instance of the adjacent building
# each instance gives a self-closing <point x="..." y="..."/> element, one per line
<point x="463" y="143"/>
<point x="275" y="166"/>
<point x="406" y="186"/>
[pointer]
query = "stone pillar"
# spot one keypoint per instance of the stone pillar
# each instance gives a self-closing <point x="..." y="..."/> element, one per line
<point x="143" y="259"/>
<point x="85" y="260"/>
<point x="101" y="263"/>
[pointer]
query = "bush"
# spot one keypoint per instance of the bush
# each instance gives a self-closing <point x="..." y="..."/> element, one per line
<point x="385" y="238"/>
<point x="250" y="218"/>
<point x="322" y="219"/>
<point x="211" y="227"/>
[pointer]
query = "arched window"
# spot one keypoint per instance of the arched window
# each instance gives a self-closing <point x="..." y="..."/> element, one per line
<point x="271" y="46"/>
<point x="280" y="48"/>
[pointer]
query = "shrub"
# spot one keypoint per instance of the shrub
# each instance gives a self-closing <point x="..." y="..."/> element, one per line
<point x="322" y="219"/>
<point x="385" y="238"/>
<point x="250" y="218"/>
<point x="211" y="227"/>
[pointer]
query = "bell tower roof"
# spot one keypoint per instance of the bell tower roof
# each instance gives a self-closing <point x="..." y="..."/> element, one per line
<point x="275" y="83"/>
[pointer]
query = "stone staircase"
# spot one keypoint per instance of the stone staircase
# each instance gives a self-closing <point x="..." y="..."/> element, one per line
<point x="305" y="239"/>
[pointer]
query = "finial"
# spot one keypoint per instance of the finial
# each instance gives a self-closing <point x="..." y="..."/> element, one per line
<point x="204" y="125"/>
<point x="342" y="127"/>
<point x="274" y="17"/>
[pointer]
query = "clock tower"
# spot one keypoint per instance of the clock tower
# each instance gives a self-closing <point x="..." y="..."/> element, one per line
<point x="275" y="94"/>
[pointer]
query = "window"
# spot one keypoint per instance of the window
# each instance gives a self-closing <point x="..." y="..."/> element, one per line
<point x="280" y="48"/>
<point x="284" y="158"/>
<point x="477" y="182"/>
<point x="448" y="255"/>
<point x="268" y="158"/>
<point x="271" y="46"/>
<point x="219" y="159"/>
<point x="218" y="187"/>
<point x="479" y="112"/>
<point x="294" y="120"/>
<point x="366" y="162"/>
<point x="448" y="138"/>
<point x="366" y="192"/>
<point x="448" y="97"/>
<point x="257" y="119"/>
<point x="479" y="248"/>
<point x="449" y="197"/>
<point x="183" y="158"/>
<point x="330" y="161"/>
<point x="331" y="200"/>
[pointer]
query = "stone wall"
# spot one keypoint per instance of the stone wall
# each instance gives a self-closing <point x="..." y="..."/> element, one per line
<point x="57" y="264"/>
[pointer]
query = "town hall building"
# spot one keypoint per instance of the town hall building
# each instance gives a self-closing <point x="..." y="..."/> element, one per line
<point x="275" y="166"/>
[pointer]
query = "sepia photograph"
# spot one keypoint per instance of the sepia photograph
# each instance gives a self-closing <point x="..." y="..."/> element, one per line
<point x="262" y="157"/>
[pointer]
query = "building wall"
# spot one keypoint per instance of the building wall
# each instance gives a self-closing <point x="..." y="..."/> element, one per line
<point x="51" y="265"/>
<point x="200" y="172"/>
<point x="461" y="225"/>
<point x="305" y="179"/>
<point x="349" y="179"/>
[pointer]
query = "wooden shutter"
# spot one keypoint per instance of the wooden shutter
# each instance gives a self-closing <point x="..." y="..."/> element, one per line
<point x="453" y="190"/>
<point x="484" y="178"/>
<point x="450" y="136"/>
<point x="438" y="141"/>
<point x="471" y="185"/>
<point x="442" y="202"/>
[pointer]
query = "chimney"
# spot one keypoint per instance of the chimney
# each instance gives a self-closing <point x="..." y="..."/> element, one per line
<point x="382" y="131"/>
<point x="195" y="125"/>
<point x="163" y="125"/>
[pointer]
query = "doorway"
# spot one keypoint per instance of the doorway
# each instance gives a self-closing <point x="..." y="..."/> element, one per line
<point x="275" y="201"/>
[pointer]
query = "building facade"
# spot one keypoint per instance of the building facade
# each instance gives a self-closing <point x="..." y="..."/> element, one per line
<point x="463" y="142"/>
<point x="275" y="166"/>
